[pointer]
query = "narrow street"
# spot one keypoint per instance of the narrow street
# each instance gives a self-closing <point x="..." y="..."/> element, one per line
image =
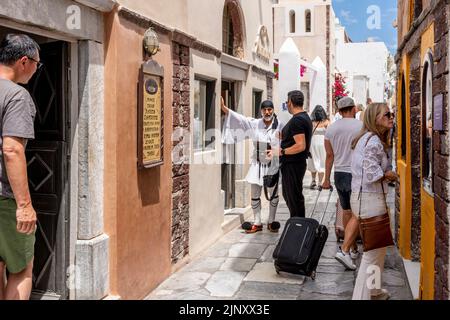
<point x="240" y="267"/>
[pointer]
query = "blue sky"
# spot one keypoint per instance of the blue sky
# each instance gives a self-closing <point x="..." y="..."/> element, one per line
<point x="361" y="25"/>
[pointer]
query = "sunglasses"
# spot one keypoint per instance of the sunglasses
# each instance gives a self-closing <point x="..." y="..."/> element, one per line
<point x="389" y="115"/>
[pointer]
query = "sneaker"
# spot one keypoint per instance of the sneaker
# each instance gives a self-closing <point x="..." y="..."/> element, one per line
<point x="345" y="259"/>
<point x="273" y="226"/>
<point x="254" y="229"/>
<point x="313" y="185"/>
<point x="383" y="295"/>
<point x="354" y="254"/>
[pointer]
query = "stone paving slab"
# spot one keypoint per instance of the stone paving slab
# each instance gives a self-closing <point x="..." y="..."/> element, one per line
<point x="233" y="236"/>
<point x="238" y="264"/>
<point x="268" y="291"/>
<point x="265" y="238"/>
<point x="207" y="264"/>
<point x="240" y="267"/>
<point x="331" y="284"/>
<point x="247" y="250"/>
<point x="265" y="272"/>
<point x="224" y="283"/>
<point x="220" y="249"/>
<point x="267" y="255"/>
<point x="187" y="281"/>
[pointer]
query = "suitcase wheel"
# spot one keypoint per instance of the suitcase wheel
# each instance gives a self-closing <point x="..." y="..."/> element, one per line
<point x="313" y="275"/>
<point x="277" y="269"/>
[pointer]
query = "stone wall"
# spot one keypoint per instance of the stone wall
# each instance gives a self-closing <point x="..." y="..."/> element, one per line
<point x="437" y="12"/>
<point x="441" y="154"/>
<point x="180" y="170"/>
<point x="415" y="134"/>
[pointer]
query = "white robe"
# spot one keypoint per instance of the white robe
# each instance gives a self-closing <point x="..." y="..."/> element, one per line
<point x="238" y="128"/>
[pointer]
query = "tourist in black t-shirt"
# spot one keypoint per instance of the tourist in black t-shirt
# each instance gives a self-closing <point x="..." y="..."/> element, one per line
<point x="295" y="144"/>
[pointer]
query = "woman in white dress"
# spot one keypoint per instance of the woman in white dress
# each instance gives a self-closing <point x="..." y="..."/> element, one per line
<point x="316" y="163"/>
<point x="265" y="134"/>
<point x="370" y="175"/>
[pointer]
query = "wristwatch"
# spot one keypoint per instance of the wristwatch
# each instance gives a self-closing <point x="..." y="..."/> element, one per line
<point x="283" y="152"/>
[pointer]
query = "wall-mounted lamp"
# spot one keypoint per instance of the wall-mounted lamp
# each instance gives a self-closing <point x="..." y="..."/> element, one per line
<point x="151" y="42"/>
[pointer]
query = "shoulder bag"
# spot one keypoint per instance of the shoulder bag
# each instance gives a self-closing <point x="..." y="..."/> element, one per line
<point x="376" y="231"/>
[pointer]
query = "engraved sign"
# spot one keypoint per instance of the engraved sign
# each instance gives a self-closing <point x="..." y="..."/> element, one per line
<point x="150" y="126"/>
<point x="438" y="110"/>
<point x="261" y="47"/>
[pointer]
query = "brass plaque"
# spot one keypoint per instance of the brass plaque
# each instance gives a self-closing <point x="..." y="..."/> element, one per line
<point x="150" y="126"/>
<point x="152" y="120"/>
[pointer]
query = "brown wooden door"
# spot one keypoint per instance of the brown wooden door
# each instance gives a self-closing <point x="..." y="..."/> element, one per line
<point x="47" y="159"/>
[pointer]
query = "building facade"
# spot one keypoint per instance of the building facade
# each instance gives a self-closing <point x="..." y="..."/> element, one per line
<point x="364" y="65"/>
<point x="422" y="143"/>
<point x="311" y="24"/>
<point x="110" y="228"/>
<point x="195" y="196"/>
<point x="66" y="164"/>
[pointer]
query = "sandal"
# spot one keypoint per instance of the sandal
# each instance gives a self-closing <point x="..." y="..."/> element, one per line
<point x="274" y="226"/>
<point x="254" y="229"/>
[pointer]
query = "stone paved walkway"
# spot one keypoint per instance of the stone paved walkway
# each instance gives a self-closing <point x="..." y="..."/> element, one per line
<point x="240" y="267"/>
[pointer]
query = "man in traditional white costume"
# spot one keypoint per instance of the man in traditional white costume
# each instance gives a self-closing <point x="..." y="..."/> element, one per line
<point x="265" y="134"/>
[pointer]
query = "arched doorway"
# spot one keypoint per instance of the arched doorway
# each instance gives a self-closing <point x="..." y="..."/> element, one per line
<point x="427" y="220"/>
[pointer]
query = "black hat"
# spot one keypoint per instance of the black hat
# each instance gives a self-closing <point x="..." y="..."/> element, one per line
<point x="267" y="104"/>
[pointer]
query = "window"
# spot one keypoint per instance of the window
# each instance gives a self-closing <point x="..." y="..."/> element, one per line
<point x="308" y="21"/>
<point x="403" y="118"/>
<point x="204" y="115"/>
<point x="257" y="100"/>
<point x="228" y="32"/>
<point x="292" y="21"/>
<point x="427" y="125"/>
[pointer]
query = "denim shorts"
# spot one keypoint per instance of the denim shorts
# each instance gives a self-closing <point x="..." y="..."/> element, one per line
<point x="16" y="249"/>
<point x="343" y="183"/>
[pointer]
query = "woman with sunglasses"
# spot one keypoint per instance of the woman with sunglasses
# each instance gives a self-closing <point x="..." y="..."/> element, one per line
<point x="370" y="175"/>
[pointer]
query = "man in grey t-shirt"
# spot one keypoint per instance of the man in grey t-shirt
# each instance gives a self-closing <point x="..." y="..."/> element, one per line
<point x="338" y="141"/>
<point x="19" y="60"/>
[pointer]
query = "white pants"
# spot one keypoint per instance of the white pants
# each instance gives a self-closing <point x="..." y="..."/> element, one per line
<point x="369" y="279"/>
<point x="256" y="204"/>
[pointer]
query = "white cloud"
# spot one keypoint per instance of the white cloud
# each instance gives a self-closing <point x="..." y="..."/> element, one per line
<point x="373" y="39"/>
<point x="347" y="17"/>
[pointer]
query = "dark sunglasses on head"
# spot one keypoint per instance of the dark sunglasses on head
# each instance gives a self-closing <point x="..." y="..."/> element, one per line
<point x="389" y="115"/>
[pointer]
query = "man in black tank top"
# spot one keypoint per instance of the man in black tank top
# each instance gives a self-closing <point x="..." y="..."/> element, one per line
<point x="295" y="144"/>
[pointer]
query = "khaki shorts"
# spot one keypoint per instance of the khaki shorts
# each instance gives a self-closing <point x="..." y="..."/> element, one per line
<point x="16" y="249"/>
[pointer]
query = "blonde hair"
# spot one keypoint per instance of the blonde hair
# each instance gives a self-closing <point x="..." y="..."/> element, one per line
<point x="372" y="112"/>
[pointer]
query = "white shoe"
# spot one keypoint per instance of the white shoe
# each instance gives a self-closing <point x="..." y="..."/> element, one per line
<point x="354" y="254"/>
<point x="345" y="259"/>
<point x="383" y="295"/>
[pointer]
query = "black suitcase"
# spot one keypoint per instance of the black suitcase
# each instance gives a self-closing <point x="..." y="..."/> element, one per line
<point x="301" y="244"/>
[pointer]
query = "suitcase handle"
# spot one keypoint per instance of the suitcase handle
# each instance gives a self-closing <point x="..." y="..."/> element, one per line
<point x="326" y="207"/>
